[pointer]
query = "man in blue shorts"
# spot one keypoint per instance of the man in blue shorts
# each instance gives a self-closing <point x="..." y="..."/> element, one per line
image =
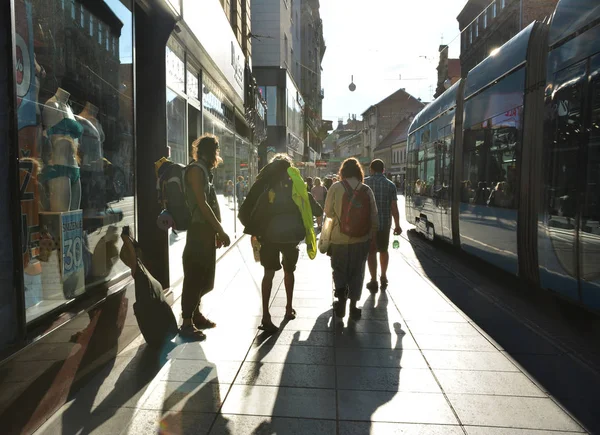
<point x="386" y="198"/>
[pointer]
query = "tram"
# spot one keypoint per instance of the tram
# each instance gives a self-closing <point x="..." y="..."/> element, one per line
<point x="505" y="165"/>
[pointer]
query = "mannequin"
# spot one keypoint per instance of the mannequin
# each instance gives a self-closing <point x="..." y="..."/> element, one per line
<point x="93" y="136"/>
<point x="62" y="171"/>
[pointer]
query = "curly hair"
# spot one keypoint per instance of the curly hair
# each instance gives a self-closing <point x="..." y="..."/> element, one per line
<point x="351" y="168"/>
<point x="206" y="147"/>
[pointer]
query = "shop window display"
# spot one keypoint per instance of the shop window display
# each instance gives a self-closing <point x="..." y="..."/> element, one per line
<point x="75" y="120"/>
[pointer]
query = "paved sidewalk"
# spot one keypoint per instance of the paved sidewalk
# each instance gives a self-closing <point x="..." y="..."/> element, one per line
<point x="414" y="364"/>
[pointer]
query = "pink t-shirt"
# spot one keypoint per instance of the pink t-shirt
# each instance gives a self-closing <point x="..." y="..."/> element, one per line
<point x="318" y="192"/>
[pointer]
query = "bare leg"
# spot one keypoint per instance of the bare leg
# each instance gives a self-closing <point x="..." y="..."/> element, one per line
<point x="267" y="284"/>
<point x="384" y="259"/>
<point x="288" y="281"/>
<point x="372" y="261"/>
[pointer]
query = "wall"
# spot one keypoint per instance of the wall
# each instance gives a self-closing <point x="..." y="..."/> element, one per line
<point x="266" y="22"/>
<point x="537" y="10"/>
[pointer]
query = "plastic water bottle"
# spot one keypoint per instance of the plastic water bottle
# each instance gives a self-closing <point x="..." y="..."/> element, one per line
<point x="396" y="243"/>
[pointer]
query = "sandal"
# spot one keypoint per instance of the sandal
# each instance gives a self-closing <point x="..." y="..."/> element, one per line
<point x="202" y="322"/>
<point x="291" y="315"/>
<point x="192" y="333"/>
<point x="269" y="328"/>
<point x="384" y="283"/>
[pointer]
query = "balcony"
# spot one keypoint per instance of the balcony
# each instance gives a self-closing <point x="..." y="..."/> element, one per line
<point x="322" y="94"/>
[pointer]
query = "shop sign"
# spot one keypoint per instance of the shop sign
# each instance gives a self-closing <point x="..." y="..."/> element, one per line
<point x="243" y="165"/>
<point x="218" y="40"/>
<point x="321" y="163"/>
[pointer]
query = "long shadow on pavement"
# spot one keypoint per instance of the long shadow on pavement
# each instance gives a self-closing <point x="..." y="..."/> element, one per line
<point x="572" y="383"/>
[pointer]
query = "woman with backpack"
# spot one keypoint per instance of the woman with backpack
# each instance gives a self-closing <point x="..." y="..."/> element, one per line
<point x="351" y="206"/>
<point x="205" y="234"/>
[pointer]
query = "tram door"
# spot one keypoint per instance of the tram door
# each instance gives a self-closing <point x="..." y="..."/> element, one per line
<point x="558" y="244"/>
<point x="589" y="229"/>
<point x="446" y="144"/>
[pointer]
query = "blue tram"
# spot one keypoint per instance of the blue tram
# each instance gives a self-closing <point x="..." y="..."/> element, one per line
<point x="506" y="163"/>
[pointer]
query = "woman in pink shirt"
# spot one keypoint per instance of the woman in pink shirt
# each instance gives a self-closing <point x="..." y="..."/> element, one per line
<point x="319" y="192"/>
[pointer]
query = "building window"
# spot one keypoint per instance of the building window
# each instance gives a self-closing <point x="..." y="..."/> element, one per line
<point x="100" y="27"/>
<point x="285" y="48"/>
<point x="485" y="23"/>
<point x="470" y="35"/>
<point x="81" y="17"/>
<point x="502" y="4"/>
<point x="84" y="109"/>
<point x="476" y="27"/>
<point x="494" y="11"/>
<point x="91" y="25"/>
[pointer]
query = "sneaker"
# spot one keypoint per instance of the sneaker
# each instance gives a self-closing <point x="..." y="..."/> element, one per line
<point x="190" y="332"/>
<point x="202" y="322"/>
<point x="339" y="307"/>
<point x="373" y="286"/>
<point x="355" y="313"/>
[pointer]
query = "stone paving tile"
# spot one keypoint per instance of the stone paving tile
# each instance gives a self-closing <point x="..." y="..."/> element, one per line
<point x="511" y="412"/>
<point x="153" y="422"/>
<point x="441" y="328"/>
<point x="185" y="396"/>
<point x="405" y="358"/>
<point x="484" y="382"/>
<point x="376" y="428"/>
<point x="454" y="342"/>
<point x="323" y="323"/>
<point x="376" y="341"/>
<point x="386" y="379"/>
<point x="299" y="303"/>
<point x="434" y="316"/>
<point x="306" y="312"/>
<point x="286" y="375"/>
<point x="211" y="350"/>
<point x="425" y="408"/>
<point x="280" y="402"/>
<point x="467" y="360"/>
<point x="255" y="425"/>
<point x="292" y="354"/>
<point x="302" y="338"/>
<point x="101" y="422"/>
<point x="478" y="430"/>
<point x="199" y="371"/>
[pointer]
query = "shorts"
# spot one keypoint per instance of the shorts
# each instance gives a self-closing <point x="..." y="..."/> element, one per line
<point x="382" y="241"/>
<point x="270" y="260"/>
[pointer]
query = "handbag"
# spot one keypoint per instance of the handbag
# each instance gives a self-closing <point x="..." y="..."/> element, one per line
<point x="325" y="236"/>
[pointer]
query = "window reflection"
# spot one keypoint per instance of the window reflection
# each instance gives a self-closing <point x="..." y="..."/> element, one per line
<point x="75" y="118"/>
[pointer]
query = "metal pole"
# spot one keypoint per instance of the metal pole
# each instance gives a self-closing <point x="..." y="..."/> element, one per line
<point x="234" y="176"/>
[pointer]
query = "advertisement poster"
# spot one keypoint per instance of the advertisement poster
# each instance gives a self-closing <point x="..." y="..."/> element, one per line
<point x="72" y="243"/>
<point x="29" y="130"/>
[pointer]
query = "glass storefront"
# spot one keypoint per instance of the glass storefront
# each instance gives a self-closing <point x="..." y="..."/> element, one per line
<point x="76" y="145"/>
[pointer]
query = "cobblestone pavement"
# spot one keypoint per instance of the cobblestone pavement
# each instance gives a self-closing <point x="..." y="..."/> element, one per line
<point x="414" y="364"/>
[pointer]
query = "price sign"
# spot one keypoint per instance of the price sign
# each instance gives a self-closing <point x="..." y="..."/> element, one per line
<point x="72" y="243"/>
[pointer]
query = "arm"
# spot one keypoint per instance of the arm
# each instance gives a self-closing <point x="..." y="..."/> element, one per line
<point x="395" y="211"/>
<point x="196" y="181"/>
<point x="329" y="211"/>
<point x="314" y="205"/>
<point x="374" y="215"/>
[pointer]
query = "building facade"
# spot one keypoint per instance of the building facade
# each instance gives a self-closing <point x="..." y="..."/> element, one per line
<point x="101" y="90"/>
<point x="486" y="25"/>
<point x="380" y="119"/>
<point x="448" y="71"/>
<point x="392" y="150"/>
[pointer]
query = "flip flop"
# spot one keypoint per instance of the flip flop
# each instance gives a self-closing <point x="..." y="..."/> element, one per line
<point x="291" y="315"/>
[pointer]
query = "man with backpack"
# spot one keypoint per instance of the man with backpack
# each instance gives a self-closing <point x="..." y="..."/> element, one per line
<point x="386" y="197"/>
<point x="279" y="212"/>
<point x="351" y="206"/>
<point x="205" y="234"/>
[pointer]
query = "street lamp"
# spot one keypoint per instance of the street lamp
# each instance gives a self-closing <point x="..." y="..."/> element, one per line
<point x="352" y="86"/>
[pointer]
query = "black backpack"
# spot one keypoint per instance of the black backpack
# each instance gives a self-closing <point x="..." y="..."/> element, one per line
<point x="170" y="186"/>
<point x="153" y="313"/>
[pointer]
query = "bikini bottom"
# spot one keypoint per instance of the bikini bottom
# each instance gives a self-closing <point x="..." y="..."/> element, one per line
<point x="51" y="172"/>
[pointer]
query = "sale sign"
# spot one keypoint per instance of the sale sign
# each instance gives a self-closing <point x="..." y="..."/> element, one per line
<point x="72" y="243"/>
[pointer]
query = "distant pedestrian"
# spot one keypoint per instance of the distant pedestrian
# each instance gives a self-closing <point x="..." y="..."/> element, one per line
<point x="229" y="192"/>
<point x="240" y="188"/>
<point x="386" y="197"/>
<point x="309" y="183"/>
<point x="279" y="212"/>
<point x="319" y="192"/>
<point x="351" y="206"/>
<point x="327" y="183"/>
<point x="204" y="236"/>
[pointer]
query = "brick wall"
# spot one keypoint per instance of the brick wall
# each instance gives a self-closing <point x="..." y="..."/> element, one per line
<point x="537" y="10"/>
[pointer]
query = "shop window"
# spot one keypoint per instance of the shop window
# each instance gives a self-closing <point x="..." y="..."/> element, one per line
<point x="193" y="84"/>
<point x="175" y="56"/>
<point x="75" y="118"/>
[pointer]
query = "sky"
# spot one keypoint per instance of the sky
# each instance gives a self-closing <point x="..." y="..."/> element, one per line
<point x="378" y="42"/>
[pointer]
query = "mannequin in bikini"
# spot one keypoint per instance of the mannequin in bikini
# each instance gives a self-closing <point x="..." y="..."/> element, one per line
<point x="62" y="171"/>
<point x="92" y="164"/>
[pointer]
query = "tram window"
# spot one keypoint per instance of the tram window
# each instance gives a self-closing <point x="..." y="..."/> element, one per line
<point x="490" y="162"/>
<point x="565" y="130"/>
<point x="591" y="211"/>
